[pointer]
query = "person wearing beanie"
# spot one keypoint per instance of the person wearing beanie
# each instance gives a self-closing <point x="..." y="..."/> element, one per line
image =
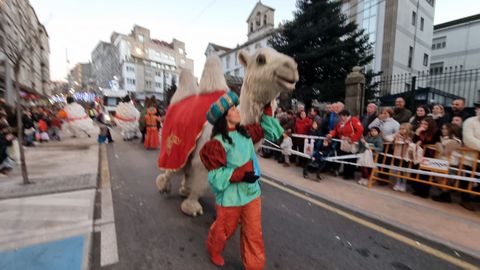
<point x="233" y="175"/>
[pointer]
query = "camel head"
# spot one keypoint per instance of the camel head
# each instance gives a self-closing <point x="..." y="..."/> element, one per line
<point x="267" y="74"/>
<point x="187" y="86"/>
<point x="212" y="76"/>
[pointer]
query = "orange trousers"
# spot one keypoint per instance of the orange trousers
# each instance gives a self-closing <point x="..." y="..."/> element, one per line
<point x="251" y="239"/>
<point x="151" y="138"/>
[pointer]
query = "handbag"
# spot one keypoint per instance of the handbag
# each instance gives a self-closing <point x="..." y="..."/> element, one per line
<point x="308" y="146"/>
<point x="365" y="159"/>
<point x="349" y="147"/>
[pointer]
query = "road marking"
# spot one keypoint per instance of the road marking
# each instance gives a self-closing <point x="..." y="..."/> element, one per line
<point x="415" y="244"/>
<point x="106" y="225"/>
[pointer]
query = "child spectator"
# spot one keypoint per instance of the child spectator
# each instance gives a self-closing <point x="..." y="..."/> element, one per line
<point x="43" y="128"/>
<point x="375" y="142"/>
<point x="404" y="149"/>
<point x="55" y="126"/>
<point x="286" y="146"/>
<point x="449" y="141"/>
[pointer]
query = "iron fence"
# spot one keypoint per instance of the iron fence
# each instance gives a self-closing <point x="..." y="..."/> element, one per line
<point x="439" y="85"/>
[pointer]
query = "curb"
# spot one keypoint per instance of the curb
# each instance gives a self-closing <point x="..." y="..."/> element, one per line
<point x="449" y="248"/>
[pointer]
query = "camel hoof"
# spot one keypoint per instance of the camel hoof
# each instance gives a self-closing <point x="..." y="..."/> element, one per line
<point x="184" y="191"/>
<point x="163" y="185"/>
<point x="191" y="208"/>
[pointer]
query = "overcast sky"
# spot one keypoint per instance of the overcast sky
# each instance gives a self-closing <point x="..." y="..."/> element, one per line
<point x="78" y="25"/>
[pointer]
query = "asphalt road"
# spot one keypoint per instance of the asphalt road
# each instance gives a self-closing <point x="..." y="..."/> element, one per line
<point x="152" y="233"/>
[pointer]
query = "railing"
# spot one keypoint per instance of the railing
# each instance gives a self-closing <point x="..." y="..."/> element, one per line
<point x="457" y="173"/>
<point x="440" y="85"/>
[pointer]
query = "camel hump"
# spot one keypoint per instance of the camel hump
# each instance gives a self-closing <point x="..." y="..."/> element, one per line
<point x="212" y="79"/>
<point x="187" y="86"/>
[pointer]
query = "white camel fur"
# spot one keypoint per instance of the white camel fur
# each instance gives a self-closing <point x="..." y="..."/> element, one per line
<point x="268" y="73"/>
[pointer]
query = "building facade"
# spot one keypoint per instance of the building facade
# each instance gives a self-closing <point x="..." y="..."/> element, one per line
<point x="456" y="44"/>
<point x="260" y="24"/>
<point x="455" y="66"/>
<point x="399" y="30"/>
<point x="141" y="65"/>
<point x="82" y="77"/>
<point x="105" y="64"/>
<point x="21" y="33"/>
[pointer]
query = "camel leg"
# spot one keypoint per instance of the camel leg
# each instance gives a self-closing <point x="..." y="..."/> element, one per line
<point x="163" y="182"/>
<point x="185" y="185"/>
<point x="198" y="181"/>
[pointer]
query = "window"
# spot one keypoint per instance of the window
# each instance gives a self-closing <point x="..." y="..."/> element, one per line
<point x="158" y="85"/>
<point x="431" y="2"/>
<point x="414" y="18"/>
<point x="258" y="19"/>
<point x="148" y="84"/>
<point x="410" y="56"/>
<point x="425" y="59"/>
<point x="140" y="38"/>
<point x="131" y="81"/>
<point x="265" y="19"/>
<point x="158" y="73"/>
<point x="180" y="51"/>
<point x="436" y="68"/>
<point x="439" y="43"/>
<point x="251" y="27"/>
<point x="422" y="23"/>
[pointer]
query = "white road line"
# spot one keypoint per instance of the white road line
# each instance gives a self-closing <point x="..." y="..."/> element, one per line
<point x="106" y="225"/>
<point x="108" y="245"/>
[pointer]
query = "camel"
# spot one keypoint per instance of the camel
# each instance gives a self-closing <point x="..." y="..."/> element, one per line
<point x="268" y="73"/>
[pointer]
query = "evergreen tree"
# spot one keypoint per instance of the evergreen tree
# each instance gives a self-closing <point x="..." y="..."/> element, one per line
<point x="325" y="46"/>
<point x="170" y="92"/>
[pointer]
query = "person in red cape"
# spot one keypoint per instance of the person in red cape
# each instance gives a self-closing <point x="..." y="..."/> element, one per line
<point x="151" y="122"/>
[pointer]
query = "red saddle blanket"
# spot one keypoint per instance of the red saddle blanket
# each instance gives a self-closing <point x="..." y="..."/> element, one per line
<point x="182" y="127"/>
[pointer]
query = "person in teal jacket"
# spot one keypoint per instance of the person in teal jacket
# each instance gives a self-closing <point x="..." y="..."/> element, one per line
<point x="234" y="179"/>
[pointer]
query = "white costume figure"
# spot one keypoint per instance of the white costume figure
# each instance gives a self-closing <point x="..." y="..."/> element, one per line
<point x="78" y="123"/>
<point x="126" y="118"/>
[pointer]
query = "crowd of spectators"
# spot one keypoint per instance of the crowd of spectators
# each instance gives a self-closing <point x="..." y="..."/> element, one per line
<point x="408" y="133"/>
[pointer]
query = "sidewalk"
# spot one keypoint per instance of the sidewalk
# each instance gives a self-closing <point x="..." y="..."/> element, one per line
<point x="53" y="216"/>
<point x="447" y="224"/>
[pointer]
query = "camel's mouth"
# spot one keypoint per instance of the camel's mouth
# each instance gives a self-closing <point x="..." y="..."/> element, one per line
<point x="287" y="83"/>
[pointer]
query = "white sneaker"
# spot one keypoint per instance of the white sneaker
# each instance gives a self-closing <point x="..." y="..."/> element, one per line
<point x="363" y="181"/>
<point x="403" y="187"/>
<point x="396" y="187"/>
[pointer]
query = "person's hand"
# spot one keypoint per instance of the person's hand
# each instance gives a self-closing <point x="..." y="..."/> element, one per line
<point x="9" y="137"/>
<point x="250" y="177"/>
<point x="325" y="142"/>
<point x="267" y="110"/>
<point x="363" y="141"/>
